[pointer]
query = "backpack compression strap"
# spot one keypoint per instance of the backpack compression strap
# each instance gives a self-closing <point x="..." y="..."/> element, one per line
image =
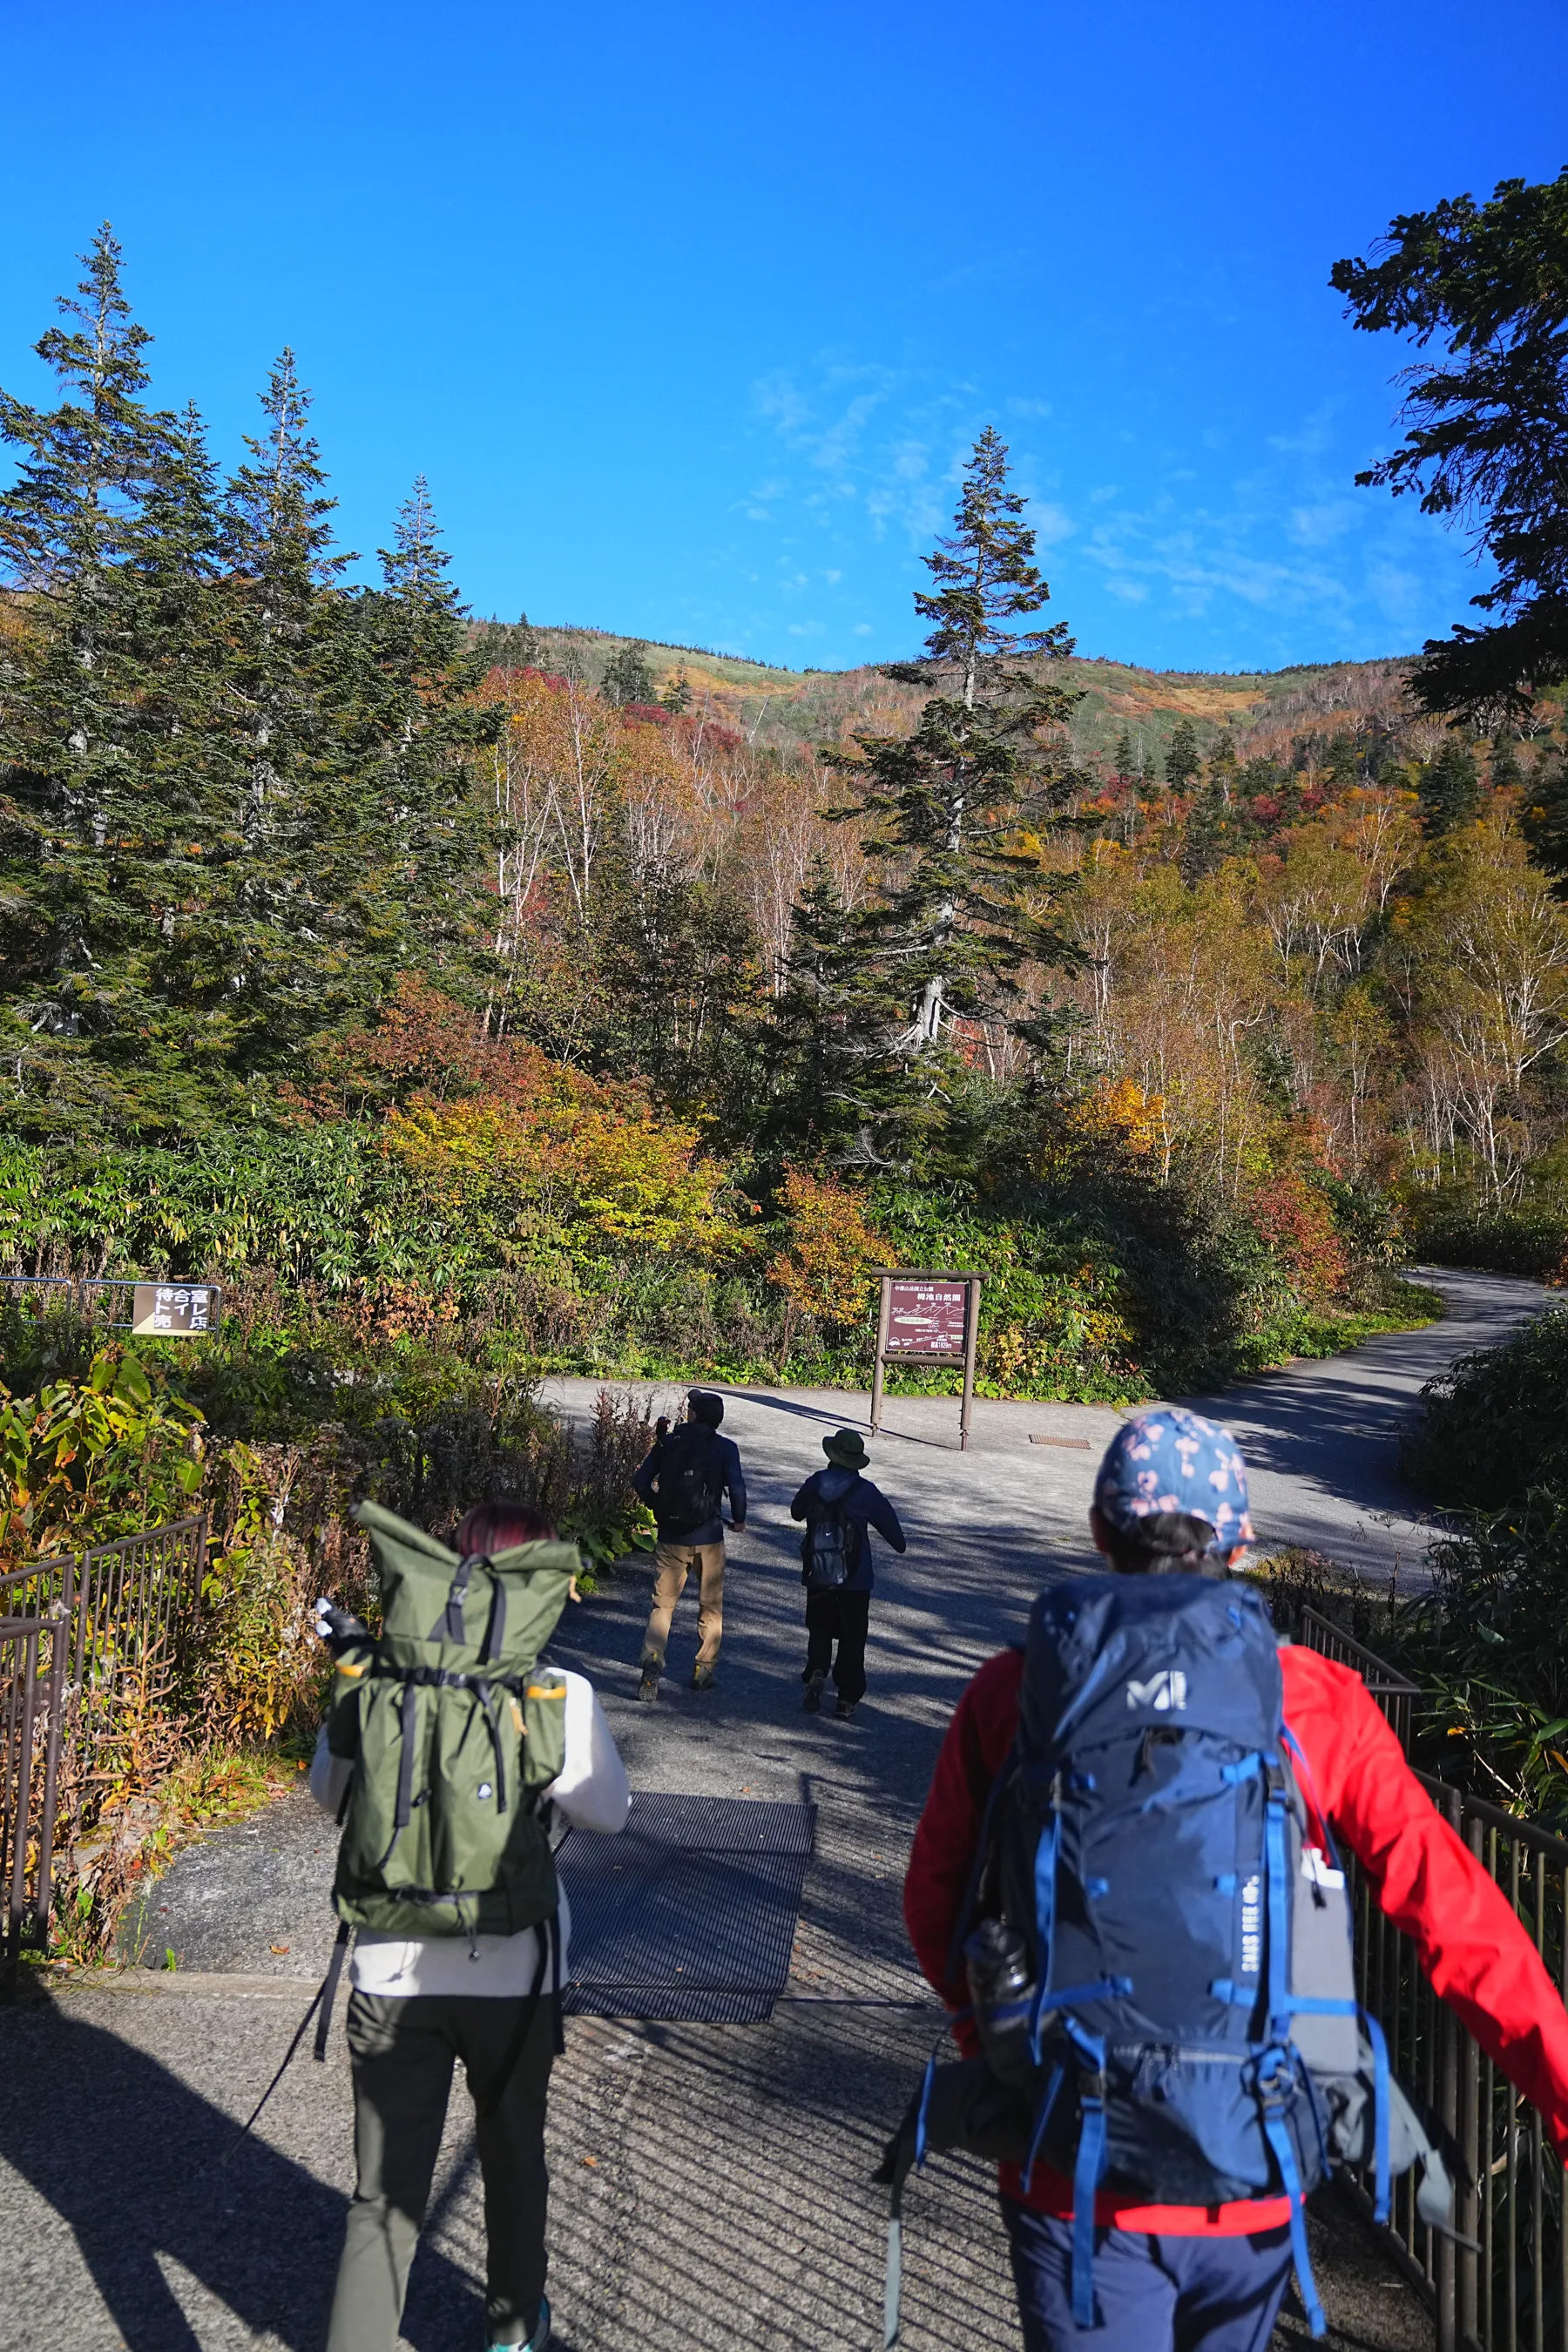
<point x="448" y="1626"/>
<point x="1277" y="2064"/>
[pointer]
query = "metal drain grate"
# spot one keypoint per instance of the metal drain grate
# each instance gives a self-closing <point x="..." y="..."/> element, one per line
<point x="690" y="1912"/>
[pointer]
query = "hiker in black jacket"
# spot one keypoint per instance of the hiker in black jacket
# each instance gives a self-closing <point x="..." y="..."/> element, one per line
<point x="840" y="1508"/>
<point x="684" y="1481"/>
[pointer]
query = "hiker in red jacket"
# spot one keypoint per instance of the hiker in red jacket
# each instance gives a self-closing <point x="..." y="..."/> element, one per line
<point x="1212" y="2278"/>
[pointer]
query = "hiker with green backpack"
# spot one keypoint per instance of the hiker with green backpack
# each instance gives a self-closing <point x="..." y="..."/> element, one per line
<point x="446" y="1750"/>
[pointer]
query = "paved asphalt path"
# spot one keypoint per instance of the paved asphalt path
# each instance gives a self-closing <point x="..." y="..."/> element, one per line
<point x="710" y="2183"/>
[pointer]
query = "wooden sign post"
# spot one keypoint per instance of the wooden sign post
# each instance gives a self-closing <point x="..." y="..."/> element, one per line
<point x="927" y="1318"/>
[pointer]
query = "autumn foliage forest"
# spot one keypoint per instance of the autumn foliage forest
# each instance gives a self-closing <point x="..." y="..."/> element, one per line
<point x="475" y="999"/>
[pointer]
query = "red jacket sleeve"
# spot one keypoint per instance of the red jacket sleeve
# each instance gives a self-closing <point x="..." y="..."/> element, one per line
<point x="1479" y="1957"/>
<point x="948" y="1837"/>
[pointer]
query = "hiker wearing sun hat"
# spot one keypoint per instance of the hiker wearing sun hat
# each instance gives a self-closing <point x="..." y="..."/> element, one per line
<point x="1068" y="1820"/>
<point x="1174" y="1485"/>
<point x="840" y="1508"/>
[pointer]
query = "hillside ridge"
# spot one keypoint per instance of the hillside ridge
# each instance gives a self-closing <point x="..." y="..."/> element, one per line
<point x="791" y="708"/>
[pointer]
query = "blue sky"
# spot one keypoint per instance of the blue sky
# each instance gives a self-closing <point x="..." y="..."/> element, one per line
<point x="690" y="312"/>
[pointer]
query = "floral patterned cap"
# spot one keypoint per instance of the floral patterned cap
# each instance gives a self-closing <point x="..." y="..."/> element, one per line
<point x="1176" y="1461"/>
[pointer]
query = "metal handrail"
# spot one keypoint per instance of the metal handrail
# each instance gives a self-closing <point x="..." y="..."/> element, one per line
<point x="1507" y="2291"/>
<point x="107" y="1616"/>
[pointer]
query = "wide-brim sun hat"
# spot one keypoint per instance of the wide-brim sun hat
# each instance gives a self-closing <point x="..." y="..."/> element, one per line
<point x="847" y="1448"/>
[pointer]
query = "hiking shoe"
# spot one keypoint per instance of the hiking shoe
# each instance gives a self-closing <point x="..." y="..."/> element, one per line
<point x="534" y="2343"/>
<point x="813" y="1698"/>
<point x="702" y="1678"/>
<point x="648" y="1687"/>
<point x="844" y="1709"/>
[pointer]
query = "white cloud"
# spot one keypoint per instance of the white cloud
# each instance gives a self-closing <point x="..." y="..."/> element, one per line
<point x="1319" y="526"/>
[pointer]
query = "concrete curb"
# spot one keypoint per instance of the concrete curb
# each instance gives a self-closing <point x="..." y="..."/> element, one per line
<point x="156" y="1980"/>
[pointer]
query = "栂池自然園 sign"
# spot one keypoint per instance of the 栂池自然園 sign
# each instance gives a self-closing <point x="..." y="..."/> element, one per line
<point x="927" y="1318"/>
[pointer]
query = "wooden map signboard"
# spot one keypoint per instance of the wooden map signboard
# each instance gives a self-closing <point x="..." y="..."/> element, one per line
<point x="927" y="1318"/>
<point x="175" y="1310"/>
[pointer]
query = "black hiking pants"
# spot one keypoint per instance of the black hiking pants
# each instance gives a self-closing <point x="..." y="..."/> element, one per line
<point x="402" y="2054"/>
<point x="834" y="1614"/>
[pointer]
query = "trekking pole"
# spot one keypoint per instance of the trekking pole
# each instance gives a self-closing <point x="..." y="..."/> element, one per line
<point x="288" y="2058"/>
<point x="323" y="1992"/>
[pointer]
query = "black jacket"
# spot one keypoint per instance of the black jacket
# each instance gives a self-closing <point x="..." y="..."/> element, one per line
<point x="727" y="1478"/>
<point x="864" y="1506"/>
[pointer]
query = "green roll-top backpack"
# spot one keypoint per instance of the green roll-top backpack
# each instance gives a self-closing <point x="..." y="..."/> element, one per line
<point x="454" y="1730"/>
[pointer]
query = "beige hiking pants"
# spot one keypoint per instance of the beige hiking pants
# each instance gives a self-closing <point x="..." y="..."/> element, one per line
<point x="672" y="1564"/>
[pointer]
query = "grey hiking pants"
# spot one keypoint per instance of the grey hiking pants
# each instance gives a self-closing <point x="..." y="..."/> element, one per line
<point x="402" y="2054"/>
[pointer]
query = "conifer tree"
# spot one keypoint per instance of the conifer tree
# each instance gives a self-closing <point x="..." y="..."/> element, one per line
<point x="1182" y="759"/>
<point x="291" y="676"/>
<point x="627" y="678"/>
<point x="676" y="695"/>
<point x="1222" y="764"/>
<point x="838" y="1082"/>
<point x="1126" y="765"/>
<point x="418" y="817"/>
<point x="1543" y="818"/>
<point x="80" y="827"/>
<point x="1506" y="771"/>
<point x="1449" y="789"/>
<point x="953" y="928"/>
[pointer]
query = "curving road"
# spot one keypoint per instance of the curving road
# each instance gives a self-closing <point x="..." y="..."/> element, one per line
<point x="711" y="2182"/>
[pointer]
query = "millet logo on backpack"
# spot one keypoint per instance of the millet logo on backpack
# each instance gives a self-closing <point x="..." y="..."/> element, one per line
<point x="1165" y="1692"/>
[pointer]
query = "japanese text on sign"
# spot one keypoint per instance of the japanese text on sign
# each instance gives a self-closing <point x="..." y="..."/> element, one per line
<point x="172" y="1308"/>
<point x="926" y="1319"/>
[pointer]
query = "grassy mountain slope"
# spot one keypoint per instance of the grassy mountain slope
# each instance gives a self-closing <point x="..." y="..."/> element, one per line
<point x="1264" y="708"/>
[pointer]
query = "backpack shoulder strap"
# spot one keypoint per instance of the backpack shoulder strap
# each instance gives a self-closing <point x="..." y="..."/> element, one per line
<point x="964" y="1914"/>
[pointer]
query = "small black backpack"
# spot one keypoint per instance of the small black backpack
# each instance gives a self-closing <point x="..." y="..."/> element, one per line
<point x="829" y="1547"/>
<point x="691" y="1479"/>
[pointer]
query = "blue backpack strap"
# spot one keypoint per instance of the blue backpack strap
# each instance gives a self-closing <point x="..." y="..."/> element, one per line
<point x="1276" y="1874"/>
<point x="966" y="1914"/>
<point x="1381" y="2167"/>
<point x="1277" y="2064"/>
<point x="1090" y="2166"/>
<point x="1272" y="2086"/>
<point x="1044" y="1925"/>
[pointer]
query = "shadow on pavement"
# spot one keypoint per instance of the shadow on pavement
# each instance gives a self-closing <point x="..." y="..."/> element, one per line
<point x="131" y="2160"/>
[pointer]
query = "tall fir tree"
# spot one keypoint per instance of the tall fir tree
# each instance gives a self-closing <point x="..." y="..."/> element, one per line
<point x="838" y="1082"/>
<point x="83" y="807"/>
<point x="1506" y="771"/>
<point x="1184" y="757"/>
<point x="1449" y="789"/>
<point x="293" y="677"/>
<point x="953" y="927"/>
<point x="627" y="678"/>
<point x="420" y="813"/>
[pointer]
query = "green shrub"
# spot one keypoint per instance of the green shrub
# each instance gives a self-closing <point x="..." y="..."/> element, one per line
<point x="1528" y="1241"/>
<point x="1487" y="1643"/>
<point x="1495" y="1424"/>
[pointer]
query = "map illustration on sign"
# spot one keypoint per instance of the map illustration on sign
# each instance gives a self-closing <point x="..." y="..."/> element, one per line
<point x="175" y="1308"/>
<point x="926" y="1319"/>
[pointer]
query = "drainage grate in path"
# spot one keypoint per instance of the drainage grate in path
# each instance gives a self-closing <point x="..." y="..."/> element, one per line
<point x="690" y="1912"/>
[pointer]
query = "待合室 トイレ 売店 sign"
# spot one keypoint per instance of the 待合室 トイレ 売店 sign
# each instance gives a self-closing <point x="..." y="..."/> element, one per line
<point x="175" y="1309"/>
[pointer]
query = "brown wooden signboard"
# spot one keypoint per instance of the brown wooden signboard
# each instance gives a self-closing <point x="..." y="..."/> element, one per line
<point x="175" y="1310"/>
<point x="927" y="1318"/>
